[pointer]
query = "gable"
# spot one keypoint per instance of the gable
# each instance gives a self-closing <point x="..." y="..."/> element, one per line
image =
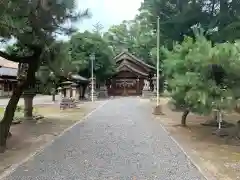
<point x="126" y="67"/>
<point x="125" y="55"/>
<point x="133" y="65"/>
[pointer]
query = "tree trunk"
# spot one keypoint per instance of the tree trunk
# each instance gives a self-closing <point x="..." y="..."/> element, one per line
<point x="9" y="114"/>
<point x="184" y="117"/>
<point x="26" y="78"/>
<point x="28" y="106"/>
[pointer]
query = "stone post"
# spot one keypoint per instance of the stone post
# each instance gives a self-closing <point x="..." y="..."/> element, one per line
<point x="60" y="92"/>
<point x="77" y="93"/>
<point x="74" y="91"/>
<point x="90" y="89"/>
<point x="146" y="93"/>
<point x="28" y="96"/>
<point x="154" y="84"/>
<point x="68" y="92"/>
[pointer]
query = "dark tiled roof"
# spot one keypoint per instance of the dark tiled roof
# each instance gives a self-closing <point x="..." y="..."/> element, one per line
<point x="4" y="71"/>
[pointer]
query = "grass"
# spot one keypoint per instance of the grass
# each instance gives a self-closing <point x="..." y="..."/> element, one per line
<point x="2" y="110"/>
<point x="18" y="114"/>
<point x="48" y="111"/>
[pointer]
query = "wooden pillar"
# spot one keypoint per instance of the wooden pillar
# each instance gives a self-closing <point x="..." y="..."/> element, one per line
<point x="1" y="89"/>
<point x="8" y="89"/>
<point x="137" y="84"/>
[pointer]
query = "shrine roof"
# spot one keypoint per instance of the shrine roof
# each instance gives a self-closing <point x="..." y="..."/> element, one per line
<point x="5" y="71"/>
<point x="8" y="64"/>
<point x="131" y="69"/>
<point x="134" y="58"/>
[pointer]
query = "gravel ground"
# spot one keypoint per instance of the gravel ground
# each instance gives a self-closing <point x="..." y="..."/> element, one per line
<point x="39" y="99"/>
<point x="120" y="141"/>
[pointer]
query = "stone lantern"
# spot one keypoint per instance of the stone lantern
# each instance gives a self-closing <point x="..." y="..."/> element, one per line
<point x="74" y="91"/>
<point x="59" y="90"/>
<point x="146" y="92"/>
<point x="28" y="96"/>
<point x="66" y="87"/>
<point x="103" y="91"/>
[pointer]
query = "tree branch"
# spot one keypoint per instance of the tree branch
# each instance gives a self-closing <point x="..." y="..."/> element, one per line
<point x="27" y="59"/>
<point x="15" y="58"/>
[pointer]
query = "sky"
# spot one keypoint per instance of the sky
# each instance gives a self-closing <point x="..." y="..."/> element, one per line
<point x="108" y="12"/>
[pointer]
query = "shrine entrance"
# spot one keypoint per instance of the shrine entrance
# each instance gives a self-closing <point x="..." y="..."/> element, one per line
<point x="129" y="77"/>
<point x="127" y="87"/>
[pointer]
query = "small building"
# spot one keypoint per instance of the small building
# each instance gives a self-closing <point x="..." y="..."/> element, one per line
<point x="8" y="77"/>
<point x="130" y="75"/>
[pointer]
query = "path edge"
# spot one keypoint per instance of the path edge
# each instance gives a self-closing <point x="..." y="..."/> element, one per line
<point x="39" y="150"/>
<point x="207" y="177"/>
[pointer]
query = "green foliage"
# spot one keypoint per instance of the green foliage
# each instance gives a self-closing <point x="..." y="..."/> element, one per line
<point x="187" y="70"/>
<point x="35" y="24"/>
<point x="135" y="35"/>
<point x="82" y="45"/>
<point x="218" y="18"/>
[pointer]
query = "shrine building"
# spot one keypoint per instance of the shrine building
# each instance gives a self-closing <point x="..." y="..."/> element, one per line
<point x="8" y="77"/>
<point x="130" y="75"/>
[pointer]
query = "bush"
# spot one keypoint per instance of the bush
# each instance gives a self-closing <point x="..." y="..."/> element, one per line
<point x="202" y="77"/>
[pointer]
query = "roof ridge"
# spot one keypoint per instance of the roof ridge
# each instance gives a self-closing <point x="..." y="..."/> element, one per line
<point x="135" y="58"/>
<point x="132" y="68"/>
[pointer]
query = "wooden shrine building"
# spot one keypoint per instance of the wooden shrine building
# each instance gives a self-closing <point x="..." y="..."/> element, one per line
<point x="8" y="77"/>
<point x="130" y="75"/>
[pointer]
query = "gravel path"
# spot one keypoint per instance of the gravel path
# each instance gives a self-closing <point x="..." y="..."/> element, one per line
<point x="120" y="141"/>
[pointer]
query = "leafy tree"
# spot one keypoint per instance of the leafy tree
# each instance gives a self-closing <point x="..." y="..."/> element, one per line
<point x="34" y="25"/>
<point x="55" y="65"/>
<point x="134" y="35"/>
<point x="98" y="27"/>
<point x="218" y="18"/>
<point x="82" y="45"/>
<point x="194" y="79"/>
<point x="119" y="38"/>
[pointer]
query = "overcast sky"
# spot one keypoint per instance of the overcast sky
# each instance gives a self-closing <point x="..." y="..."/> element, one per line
<point x="108" y="12"/>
